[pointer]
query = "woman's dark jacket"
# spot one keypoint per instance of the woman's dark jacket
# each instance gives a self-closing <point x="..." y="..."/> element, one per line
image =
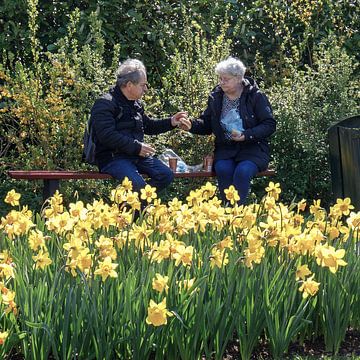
<point x="120" y="125"/>
<point x="256" y="113"/>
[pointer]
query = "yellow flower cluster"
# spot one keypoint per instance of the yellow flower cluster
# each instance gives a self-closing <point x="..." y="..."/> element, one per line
<point x="7" y="296"/>
<point x="95" y="234"/>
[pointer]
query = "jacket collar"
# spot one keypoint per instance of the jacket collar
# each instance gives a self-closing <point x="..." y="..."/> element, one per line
<point x="119" y="96"/>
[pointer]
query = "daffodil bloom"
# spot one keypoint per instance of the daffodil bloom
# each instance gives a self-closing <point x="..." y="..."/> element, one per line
<point x="148" y="193"/>
<point x="273" y="190"/>
<point x="344" y="206"/>
<point x="226" y="243"/>
<point x="183" y="255"/>
<point x="232" y="195"/>
<point x="42" y="259"/>
<point x="127" y="184"/>
<point x="186" y="284"/>
<point x="36" y="240"/>
<point x="3" y="337"/>
<point x="7" y="271"/>
<point x="84" y="260"/>
<point x="12" y="198"/>
<point x="132" y="198"/>
<point x="328" y="256"/>
<point x="315" y="208"/>
<point x="309" y="287"/>
<point x="208" y="190"/>
<point x="106" y="268"/>
<point x="140" y="234"/>
<point x="5" y="257"/>
<point x="161" y="251"/>
<point x="333" y="232"/>
<point x="7" y="298"/>
<point x="302" y="272"/>
<point x="157" y="313"/>
<point x="218" y="258"/>
<point x="354" y="220"/>
<point x="106" y="247"/>
<point x="301" y="205"/>
<point x="78" y="211"/>
<point x="159" y="283"/>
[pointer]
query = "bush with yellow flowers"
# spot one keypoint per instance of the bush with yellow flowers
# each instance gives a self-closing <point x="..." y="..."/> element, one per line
<point x="138" y="278"/>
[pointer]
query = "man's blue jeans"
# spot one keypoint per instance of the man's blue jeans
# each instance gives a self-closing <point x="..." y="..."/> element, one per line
<point x="160" y="176"/>
<point x="229" y="172"/>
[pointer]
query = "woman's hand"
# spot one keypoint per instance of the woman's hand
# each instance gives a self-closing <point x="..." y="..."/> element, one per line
<point x="181" y="120"/>
<point x="237" y="136"/>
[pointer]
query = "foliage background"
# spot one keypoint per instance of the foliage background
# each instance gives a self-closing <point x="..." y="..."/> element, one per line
<point x="58" y="56"/>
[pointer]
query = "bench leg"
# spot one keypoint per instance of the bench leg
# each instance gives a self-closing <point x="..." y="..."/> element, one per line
<point x="50" y="186"/>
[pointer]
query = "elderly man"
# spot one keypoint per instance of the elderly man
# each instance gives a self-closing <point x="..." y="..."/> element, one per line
<point x="120" y="123"/>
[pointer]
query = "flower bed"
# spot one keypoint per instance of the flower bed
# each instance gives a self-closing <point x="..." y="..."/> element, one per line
<point x="182" y="281"/>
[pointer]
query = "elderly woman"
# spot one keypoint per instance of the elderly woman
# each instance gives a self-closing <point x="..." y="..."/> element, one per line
<point x="240" y="117"/>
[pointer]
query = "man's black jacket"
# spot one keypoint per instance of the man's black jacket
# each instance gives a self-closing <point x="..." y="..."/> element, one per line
<point x="120" y="125"/>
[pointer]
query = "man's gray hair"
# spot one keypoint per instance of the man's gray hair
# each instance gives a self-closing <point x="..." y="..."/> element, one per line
<point x="231" y="66"/>
<point x="130" y="70"/>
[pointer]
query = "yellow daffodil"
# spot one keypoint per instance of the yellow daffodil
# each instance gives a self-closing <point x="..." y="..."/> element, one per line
<point x="218" y="258"/>
<point x="140" y="234"/>
<point x="183" y="255"/>
<point x="186" y="284"/>
<point x="161" y="251"/>
<point x="225" y="243"/>
<point x="106" y="268"/>
<point x="315" y="207"/>
<point x="12" y="198"/>
<point x="157" y="313"/>
<point x="84" y="260"/>
<point x="354" y="220"/>
<point x="327" y="256"/>
<point x="309" y="287"/>
<point x="273" y="190"/>
<point x="344" y="206"/>
<point x="208" y="190"/>
<point x="301" y="205"/>
<point x="159" y="283"/>
<point x="3" y="336"/>
<point x="7" y="271"/>
<point x="78" y="210"/>
<point x="148" y="193"/>
<point x="106" y="247"/>
<point x="302" y="272"/>
<point x="127" y="184"/>
<point x="42" y="259"/>
<point x="36" y="239"/>
<point x="232" y="195"/>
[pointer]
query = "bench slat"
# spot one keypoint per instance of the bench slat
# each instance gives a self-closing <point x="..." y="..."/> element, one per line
<point x="68" y="175"/>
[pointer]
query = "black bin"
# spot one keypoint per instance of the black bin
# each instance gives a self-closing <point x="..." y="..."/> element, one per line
<point x="344" y="145"/>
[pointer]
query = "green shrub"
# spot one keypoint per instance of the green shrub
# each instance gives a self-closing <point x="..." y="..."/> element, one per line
<point x="306" y="103"/>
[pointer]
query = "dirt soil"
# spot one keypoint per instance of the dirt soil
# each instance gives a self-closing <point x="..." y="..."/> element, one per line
<point x="349" y="348"/>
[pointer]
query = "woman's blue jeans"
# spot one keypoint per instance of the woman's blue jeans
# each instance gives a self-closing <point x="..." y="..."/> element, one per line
<point x="160" y="176"/>
<point x="229" y="172"/>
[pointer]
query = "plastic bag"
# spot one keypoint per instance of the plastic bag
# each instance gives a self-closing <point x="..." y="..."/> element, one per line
<point x="181" y="165"/>
<point x="232" y="123"/>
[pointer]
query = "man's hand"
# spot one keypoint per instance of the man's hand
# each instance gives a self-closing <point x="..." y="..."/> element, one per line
<point x="181" y="120"/>
<point x="146" y="150"/>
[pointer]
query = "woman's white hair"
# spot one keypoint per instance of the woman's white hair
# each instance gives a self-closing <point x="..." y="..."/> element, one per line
<point x="231" y="66"/>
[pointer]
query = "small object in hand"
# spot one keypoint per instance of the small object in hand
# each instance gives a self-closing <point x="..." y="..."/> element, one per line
<point x="208" y="163"/>
<point x="173" y="163"/>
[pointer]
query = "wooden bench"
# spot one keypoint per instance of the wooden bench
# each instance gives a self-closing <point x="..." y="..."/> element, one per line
<point x="51" y="178"/>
